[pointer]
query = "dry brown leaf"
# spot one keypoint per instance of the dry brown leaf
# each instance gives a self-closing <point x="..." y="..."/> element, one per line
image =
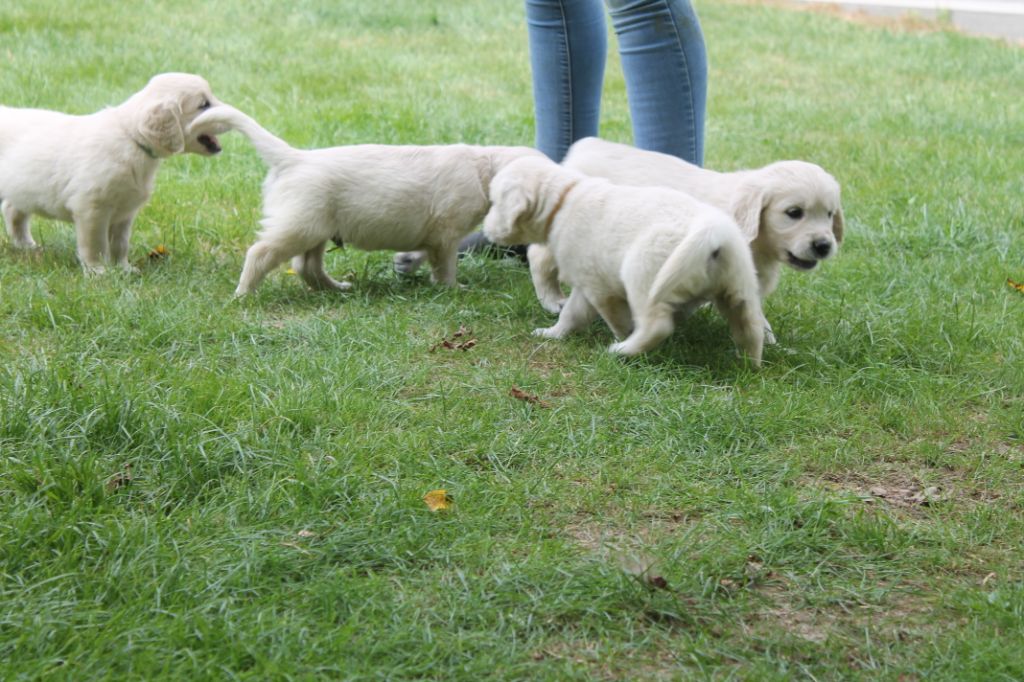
<point x="754" y="568"/>
<point x="160" y="251"/>
<point x="120" y="480"/>
<point x="453" y="344"/>
<point x="1015" y="285"/>
<point x="306" y="533"/>
<point x="438" y="500"/>
<point x="926" y="497"/>
<point x="520" y="394"/>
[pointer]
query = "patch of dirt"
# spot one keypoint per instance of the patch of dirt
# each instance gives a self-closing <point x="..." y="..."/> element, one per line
<point x="602" y="536"/>
<point x="772" y="603"/>
<point x="896" y="487"/>
<point x="602" y="664"/>
<point x="782" y="613"/>
<point x="902" y="616"/>
<point x="628" y="547"/>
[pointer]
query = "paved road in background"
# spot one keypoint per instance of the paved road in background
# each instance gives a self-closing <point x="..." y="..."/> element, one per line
<point x="998" y="18"/>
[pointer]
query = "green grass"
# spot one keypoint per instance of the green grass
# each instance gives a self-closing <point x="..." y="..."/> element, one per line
<point x="855" y="509"/>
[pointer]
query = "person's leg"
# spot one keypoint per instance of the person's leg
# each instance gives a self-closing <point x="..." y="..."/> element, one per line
<point x="665" y="65"/>
<point x="568" y="47"/>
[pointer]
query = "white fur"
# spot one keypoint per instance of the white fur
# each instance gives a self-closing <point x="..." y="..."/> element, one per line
<point x="368" y="196"/>
<point x="98" y="170"/>
<point x="633" y="255"/>
<point x="757" y="199"/>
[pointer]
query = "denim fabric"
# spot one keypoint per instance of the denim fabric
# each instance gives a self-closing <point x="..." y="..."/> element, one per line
<point x="663" y="59"/>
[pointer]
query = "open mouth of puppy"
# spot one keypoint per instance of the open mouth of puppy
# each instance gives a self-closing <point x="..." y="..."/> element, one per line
<point x="800" y="263"/>
<point x="209" y="143"/>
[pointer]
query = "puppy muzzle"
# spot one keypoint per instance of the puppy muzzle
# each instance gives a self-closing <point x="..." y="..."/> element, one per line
<point x="209" y="143"/>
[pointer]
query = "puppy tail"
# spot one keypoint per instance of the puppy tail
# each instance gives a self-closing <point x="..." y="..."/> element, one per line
<point x="714" y="262"/>
<point x="686" y="273"/>
<point x="273" y="150"/>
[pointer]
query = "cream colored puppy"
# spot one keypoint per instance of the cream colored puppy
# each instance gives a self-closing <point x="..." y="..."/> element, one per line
<point x="634" y="255"/>
<point x="789" y="211"/>
<point x="98" y="170"/>
<point x="371" y="196"/>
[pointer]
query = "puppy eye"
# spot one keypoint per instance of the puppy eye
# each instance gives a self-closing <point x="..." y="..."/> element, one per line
<point x="830" y="215"/>
<point x="796" y="213"/>
<point x="205" y="105"/>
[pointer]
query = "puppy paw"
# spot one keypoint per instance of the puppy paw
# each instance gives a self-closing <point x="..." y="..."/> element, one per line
<point x="769" y="337"/>
<point x="25" y="244"/>
<point x="408" y="262"/>
<point x="318" y="280"/>
<point x="329" y="284"/>
<point x="623" y="348"/>
<point x="548" y="333"/>
<point x="94" y="270"/>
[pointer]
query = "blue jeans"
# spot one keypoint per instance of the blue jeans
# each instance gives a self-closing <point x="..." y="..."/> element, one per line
<point x="663" y="59"/>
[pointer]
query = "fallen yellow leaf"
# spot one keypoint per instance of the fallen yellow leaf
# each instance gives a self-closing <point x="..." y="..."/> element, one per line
<point x="290" y="271"/>
<point x="159" y="252"/>
<point x="438" y="500"/>
<point x="1015" y="285"/>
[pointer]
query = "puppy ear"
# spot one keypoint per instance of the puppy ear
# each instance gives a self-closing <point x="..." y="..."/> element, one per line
<point x="160" y="127"/>
<point x="837" y="225"/>
<point x="747" y="204"/>
<point x="500" y="223"/>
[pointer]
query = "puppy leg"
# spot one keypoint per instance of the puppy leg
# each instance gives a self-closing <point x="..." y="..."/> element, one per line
<point x="653" y="325"/>
<point x="119" y="235"/>
<point x="408" y="262"/>
<point x="17" y="227"/>
<point x="616" y="314"/>
<point x="769" y="335"/>
<point x="747" y="324"/>
<point x="443" y="261"/>
<point x="310" y="266"/>
<point x="544" y="273"/>
<point x="261" y="258"/>
<point x="576" y="314"/>
<point x="92" y="230"/>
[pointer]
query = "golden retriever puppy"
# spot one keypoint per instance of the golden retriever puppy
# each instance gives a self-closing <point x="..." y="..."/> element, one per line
<point x="633" y="255"/>
<point x="789" y="211"/>
<point x="371" y="196"/>
<point x="98" y="170"/>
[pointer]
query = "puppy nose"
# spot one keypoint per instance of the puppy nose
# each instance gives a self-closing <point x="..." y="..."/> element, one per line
<point x="821" y="247"/>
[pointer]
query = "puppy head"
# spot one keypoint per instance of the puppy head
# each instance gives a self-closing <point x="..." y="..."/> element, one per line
<point x="514" y="196"/>
<point x="791" y="210"/>
<point x="165" y="109"/>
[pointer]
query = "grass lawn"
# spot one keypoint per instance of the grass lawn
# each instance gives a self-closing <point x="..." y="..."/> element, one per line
<point x="192" y="487"/>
